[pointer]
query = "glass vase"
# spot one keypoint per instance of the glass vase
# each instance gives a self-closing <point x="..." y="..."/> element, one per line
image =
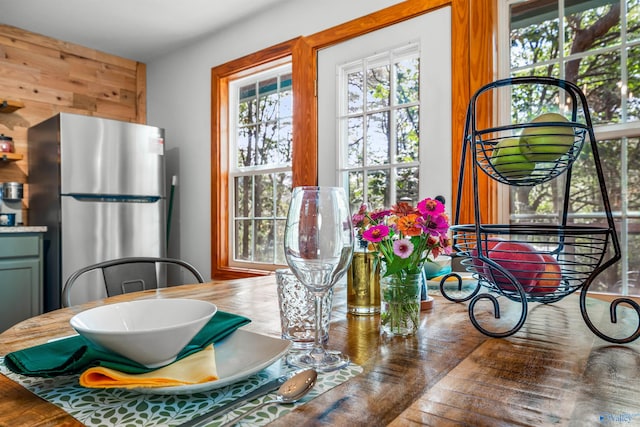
<point x="363" y="284"/>
<point x="400" y="304"/>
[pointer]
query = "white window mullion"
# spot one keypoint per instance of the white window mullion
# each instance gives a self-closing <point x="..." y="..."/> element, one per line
<point x="365" y="131"/>
<point x="624" y="220"/>
<point x="561" y="25"/>
<point x="624" y="170"/>
<point x="393" y="108"/>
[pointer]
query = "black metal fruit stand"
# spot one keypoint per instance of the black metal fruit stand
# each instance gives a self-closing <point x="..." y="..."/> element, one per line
<point x="532" y="262"/>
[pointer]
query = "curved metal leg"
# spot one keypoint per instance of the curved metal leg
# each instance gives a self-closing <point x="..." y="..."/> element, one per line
<point x="613" y="315"/>
<point x="459" y="279"/>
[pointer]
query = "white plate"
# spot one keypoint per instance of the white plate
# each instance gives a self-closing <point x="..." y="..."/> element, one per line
<point x="241" y="354"/>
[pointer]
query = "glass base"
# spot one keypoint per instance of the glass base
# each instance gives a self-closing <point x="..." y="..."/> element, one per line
<point x="325" y="362"/>
<point x="303" y="344"/>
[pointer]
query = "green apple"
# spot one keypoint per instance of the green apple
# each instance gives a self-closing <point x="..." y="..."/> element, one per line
<point x="546" y="143"/>
<point x="509" y="161"/>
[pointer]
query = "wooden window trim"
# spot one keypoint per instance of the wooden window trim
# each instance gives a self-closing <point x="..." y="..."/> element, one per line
<point x="220" y="76"/>
<point x="472" y="67"/>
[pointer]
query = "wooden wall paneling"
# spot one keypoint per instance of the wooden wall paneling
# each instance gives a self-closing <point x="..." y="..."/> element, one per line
<point x="51" y="76"/>
<point x="141" y="93"/>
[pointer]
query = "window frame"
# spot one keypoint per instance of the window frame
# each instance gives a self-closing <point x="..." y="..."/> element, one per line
<point x="221" y="266"/>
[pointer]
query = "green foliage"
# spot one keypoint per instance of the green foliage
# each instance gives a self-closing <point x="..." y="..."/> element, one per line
<point x="608" y="73"/>
<point x="597" y="75"/>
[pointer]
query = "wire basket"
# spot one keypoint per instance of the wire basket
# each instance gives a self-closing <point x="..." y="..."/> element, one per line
<point x="530" y="153"/>
<point x="533" y="262"/>
<point x="528" y="147"/>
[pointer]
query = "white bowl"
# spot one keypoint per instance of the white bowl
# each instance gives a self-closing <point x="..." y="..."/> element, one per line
<point x="151" y="332"/>
<point x="438" y="266"/>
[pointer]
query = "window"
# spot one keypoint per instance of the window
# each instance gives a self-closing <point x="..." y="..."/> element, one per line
<point x="384" y="112"/>
<point x="251" y="127"/>
<point x="378" y="120"/>
<point x="260" y="129"/>
<point x="595" y="44"/>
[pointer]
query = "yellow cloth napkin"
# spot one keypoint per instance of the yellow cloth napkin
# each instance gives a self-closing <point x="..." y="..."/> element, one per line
<point x="197" y="368"/>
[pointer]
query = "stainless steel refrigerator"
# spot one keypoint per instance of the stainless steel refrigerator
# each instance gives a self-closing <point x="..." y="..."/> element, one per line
<point x="99" y="187"/>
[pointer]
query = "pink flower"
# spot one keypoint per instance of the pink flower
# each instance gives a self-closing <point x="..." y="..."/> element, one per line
<point x="445" y="243"/>
<point x="437" y="225"/>
<point x="430" y="207"/>
<point x="379" y="214"/>
<point x="403" y="248"/>
<point x="357" y="219"/>
<point x="376" y="233"/>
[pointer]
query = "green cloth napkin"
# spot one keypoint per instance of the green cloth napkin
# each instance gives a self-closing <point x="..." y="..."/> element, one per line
<point x="74" y="355"/>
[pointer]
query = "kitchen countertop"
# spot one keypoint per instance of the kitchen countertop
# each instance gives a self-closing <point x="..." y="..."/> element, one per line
<point x="24" y="229"/>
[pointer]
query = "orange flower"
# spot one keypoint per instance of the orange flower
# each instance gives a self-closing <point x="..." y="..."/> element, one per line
<point x="402" y="209"/>
<point x="408" y="225"/>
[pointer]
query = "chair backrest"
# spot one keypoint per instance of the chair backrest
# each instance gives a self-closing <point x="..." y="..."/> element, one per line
<point x="126" y="275"/>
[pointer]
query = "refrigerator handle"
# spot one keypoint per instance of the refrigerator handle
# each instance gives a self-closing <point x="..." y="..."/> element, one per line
<point x="113" y="198"/>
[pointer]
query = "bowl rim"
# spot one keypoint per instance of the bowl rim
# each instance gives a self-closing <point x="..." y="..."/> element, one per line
<point x="75" y="319"/>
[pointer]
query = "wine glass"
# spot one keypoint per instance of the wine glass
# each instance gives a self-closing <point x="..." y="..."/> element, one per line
<point x="318" y="245"/>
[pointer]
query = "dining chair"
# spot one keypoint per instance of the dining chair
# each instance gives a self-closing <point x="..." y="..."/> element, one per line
<point x="126" y="275"/>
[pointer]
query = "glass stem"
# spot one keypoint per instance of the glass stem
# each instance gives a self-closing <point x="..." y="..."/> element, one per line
<point x="318" y="348"/>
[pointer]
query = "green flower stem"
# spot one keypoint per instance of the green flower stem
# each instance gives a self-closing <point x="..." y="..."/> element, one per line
<point x="400" y="314"/>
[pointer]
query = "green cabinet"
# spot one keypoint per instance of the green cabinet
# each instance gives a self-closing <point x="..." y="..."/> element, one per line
<point x="20" y="277"/>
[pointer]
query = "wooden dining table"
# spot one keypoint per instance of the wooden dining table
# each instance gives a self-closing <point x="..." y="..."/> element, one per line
<point x="553" y="371"/>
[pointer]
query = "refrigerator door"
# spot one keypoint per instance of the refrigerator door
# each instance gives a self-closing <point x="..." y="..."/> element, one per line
<point x="102" y="156"/>
<point x="97" y="230"/>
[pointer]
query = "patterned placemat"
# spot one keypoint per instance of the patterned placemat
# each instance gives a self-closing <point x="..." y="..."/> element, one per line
<point x="110" y="407"/>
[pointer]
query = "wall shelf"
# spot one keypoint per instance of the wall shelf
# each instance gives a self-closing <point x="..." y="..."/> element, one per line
<point x="7" y="106"/>
<point x="10" y="157"/>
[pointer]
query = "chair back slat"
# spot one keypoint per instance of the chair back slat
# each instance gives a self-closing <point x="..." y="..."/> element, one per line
<point x="133" y="277"/>
<point x="126" y="275"/>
